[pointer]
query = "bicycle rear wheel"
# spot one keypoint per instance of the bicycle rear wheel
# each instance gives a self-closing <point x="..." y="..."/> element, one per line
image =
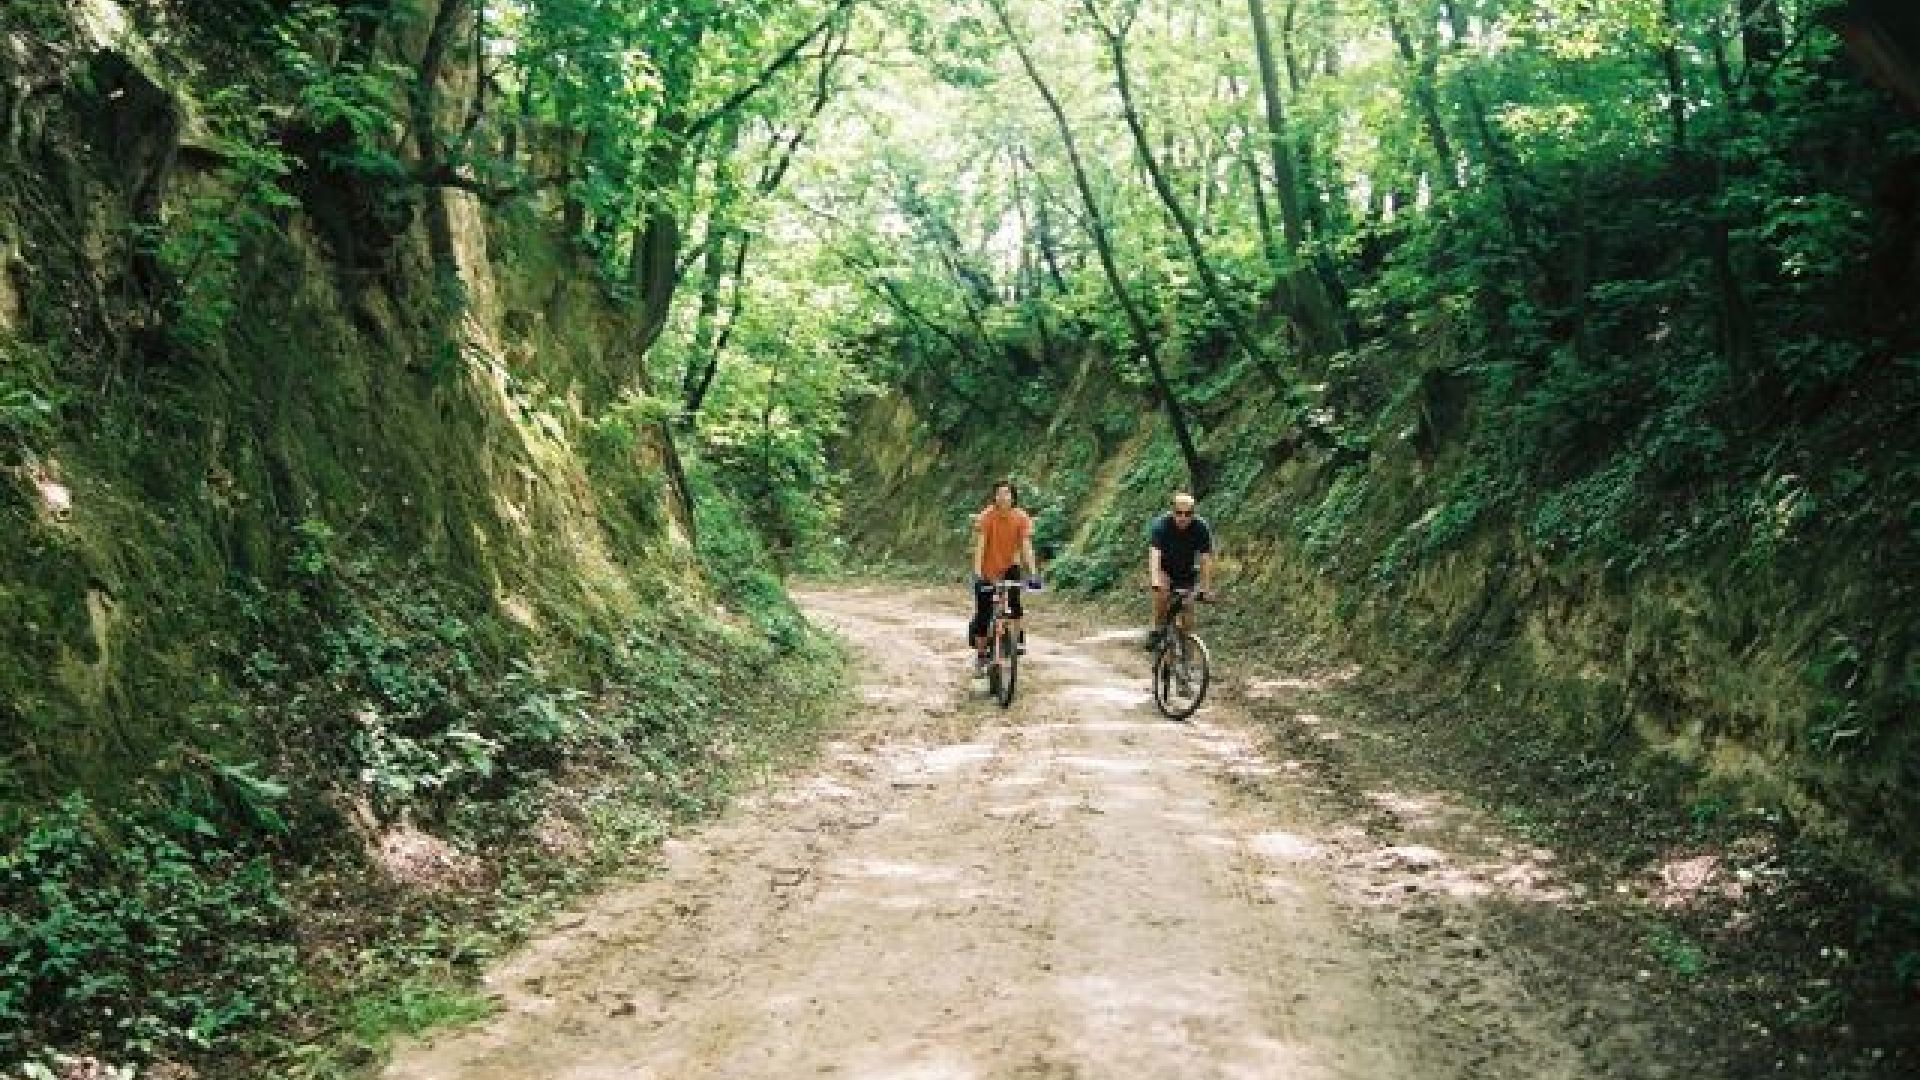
<point x="1180" y="675"/>
<point x="1006" y="666"/>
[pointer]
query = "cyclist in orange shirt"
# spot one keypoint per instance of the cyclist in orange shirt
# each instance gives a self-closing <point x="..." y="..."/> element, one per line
<point x="1002" y="546"/>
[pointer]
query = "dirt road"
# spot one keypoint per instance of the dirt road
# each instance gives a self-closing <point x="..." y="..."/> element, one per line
<point x="1072" y="888"/>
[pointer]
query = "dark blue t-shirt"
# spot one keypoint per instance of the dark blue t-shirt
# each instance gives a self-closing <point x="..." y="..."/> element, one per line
<point x="1180" y="547"/>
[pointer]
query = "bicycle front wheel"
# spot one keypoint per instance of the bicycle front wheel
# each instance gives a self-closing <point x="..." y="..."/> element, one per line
<point x="1180" y="675"/>
<point x="1006" y="666"/>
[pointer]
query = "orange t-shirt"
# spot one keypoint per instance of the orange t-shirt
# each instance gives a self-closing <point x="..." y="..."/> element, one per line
<point x="1005" y="531"/>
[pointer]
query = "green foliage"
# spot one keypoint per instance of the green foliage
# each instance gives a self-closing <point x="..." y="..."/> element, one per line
<point x="335" y="92"/>
<point x="1324" y="527"/>
<point x="617" y="431"/>
<point x="1814" y="236"/>
<point x="734" y="556"/>
<point x="24" y="412"/>
<point x="1471" y="497"/>
<point x="1590" y="516"/>
<point x="1840" y="722"/>
<point x="1114" y="551"/>
<point x="1906" y="970"/>
<point x="30" y="396"/>
<point x="1679" y="953"/>
<point x="130" y="933"/>
<point x="312" y="554"/>
<point x="203" y="246"/>
<point x="43" y="18"/>
<point x="413" y="1008"/>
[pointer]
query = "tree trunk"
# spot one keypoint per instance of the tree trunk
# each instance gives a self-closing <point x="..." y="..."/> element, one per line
<point x="1262" y="216"/>
<point x="1422" y="64"/>
<point x="702" y="357"/>
<point x="653" y="269"/>
<point x="1763" y="35"/>
<point x="1296" y="79"/>
<point x="1582" y="286"/>
<point x="425" y="102"/>
<point x="1500" y="165"/>
<point x="1734" y="319"/>
<point x="654" y="264"/>
<point x="1198" y="474"/>
<point x="1676" y="79"/>
<point x="704" y="364"/>
<point x="1292" y="219"/>
<point x="1028" y="287"/>
<point x="1043" y="226"/>
<point x="1216" y="291"/>
<point x="1306" y="291"/>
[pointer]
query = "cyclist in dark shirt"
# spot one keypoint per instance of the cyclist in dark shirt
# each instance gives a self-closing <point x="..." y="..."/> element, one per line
<point x="1179" y="556"/>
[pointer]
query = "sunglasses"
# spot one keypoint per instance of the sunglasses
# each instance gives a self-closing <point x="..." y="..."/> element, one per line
<point x="1183" y="513"/>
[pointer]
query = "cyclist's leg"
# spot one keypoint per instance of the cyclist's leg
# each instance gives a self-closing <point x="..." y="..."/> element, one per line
<point x="1185" y="581"/>
<point x="1015" y="613"/>
<point x="1160" y="601"/>
<point x="1168" y="604"/>
<point x="982" y="619"/>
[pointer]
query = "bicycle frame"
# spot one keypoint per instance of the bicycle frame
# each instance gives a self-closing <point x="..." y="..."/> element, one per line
<point x="1180" y="607"/>
<point x="1180" y="663"/>
<point x="1002" y="644"/>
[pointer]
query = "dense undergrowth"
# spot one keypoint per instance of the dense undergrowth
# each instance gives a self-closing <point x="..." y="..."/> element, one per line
<point x="402" y="786"/>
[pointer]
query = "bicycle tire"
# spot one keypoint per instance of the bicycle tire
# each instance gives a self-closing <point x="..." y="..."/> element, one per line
<point x="1006" y="666"/>
<point x="1177" y="692"/>
<point x="993" y="661"/>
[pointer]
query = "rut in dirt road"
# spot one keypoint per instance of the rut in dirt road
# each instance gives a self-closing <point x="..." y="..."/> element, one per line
<point x="1074" y="887"/>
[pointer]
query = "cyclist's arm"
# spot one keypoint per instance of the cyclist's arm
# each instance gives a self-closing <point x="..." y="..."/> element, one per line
<point x="1027" y="560"/>
<point x="1155" y="576"/>
<point x="979" y="550"/>
<point x="1206" y="572"/>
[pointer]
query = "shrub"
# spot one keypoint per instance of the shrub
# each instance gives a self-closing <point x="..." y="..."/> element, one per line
<point x="121" y="933"/>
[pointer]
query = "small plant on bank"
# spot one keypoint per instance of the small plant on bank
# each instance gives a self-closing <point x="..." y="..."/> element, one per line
<point x="1677" y="952"/>
<point x="202" y="247"/>
<point x="125" y="933"/>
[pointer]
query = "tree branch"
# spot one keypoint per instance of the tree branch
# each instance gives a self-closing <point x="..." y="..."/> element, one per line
<point x="780" y="63"/>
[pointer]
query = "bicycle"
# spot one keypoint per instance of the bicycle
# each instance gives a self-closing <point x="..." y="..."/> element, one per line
<point x="1003" y="645"/>
<point x="1180" y="670"/>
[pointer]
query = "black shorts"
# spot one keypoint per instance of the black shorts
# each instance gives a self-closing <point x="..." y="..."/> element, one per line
<point x="983" y="602"/>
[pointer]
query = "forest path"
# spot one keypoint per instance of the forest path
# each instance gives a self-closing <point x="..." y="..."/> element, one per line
<point x="1071" y="888"/>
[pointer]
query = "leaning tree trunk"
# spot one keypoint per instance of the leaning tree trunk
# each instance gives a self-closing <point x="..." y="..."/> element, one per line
<point x="1170" y="200"/>
<point x="1310" y="290"/>
<point x="702" y="356"/>
<point x="708" y="347"/>
<point x="1292" y="217"/>
<point x="1501" y="167"/>
<point x="1197" y="472"/>
<point x="1422" y="65"/>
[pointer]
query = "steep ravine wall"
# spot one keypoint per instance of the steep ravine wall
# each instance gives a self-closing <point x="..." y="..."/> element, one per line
<point x="446" y="445"/>
<point x="1746" y="678"/>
